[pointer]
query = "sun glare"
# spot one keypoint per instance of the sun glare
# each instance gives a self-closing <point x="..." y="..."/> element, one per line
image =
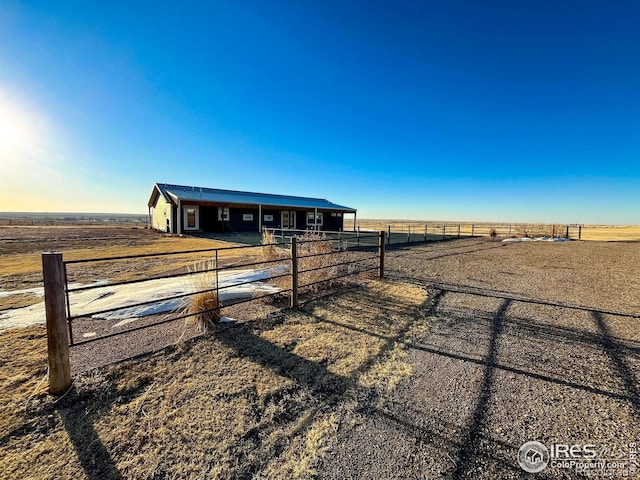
<point x="18" y="130"/>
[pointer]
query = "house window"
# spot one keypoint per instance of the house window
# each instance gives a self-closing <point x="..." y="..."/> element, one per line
<point x="312" y="219"/>
<point x="191" y="218"/>
<point x="223" y="214"/>
<point x="268" y="218"/>
<point x="247" y="217"/>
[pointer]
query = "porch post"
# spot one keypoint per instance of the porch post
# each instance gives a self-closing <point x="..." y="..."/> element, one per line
<point x="316" y="219"/>
<point x="354" y="220"/>
<point x="179" y="219"/>
<point x="260" y="218"/>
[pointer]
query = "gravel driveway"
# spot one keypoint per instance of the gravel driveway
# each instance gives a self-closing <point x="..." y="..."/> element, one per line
<point x="528" y="341"/>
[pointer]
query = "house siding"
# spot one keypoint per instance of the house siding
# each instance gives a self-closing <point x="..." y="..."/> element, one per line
<point x="332" y="223"/>
<point x="237" y="223"/>
<point x="329" y="222"/>
<point x="275" y="214"/>
<point x="162" y="215"/>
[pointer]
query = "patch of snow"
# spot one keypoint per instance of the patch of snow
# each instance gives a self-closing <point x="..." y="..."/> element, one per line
<point x="540" y="239"/>
<point x="107" y="297"/>
<point x="39" y="291"/>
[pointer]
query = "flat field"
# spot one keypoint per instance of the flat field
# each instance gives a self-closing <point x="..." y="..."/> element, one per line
<point x="468" y="350"/>
<point x="21" y="248"/>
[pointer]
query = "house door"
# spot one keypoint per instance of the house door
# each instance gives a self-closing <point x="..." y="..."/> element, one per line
<point x="288" y="219"/>
<point x="190" y="218"/>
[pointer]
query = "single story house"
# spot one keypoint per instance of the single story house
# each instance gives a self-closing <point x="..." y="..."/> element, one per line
<point x="178" y="209"/>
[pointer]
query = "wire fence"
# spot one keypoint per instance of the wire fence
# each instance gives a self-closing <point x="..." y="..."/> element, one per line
<point x="409" y="232"/>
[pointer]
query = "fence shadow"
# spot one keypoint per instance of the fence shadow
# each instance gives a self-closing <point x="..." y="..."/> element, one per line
<point x="93" y="456"/>
<point x="616" y="352"/>
<point x="476" y="444"/>
<point x="313" y="375"/>
<point x="472" y="449"/>
<point x="471" y="445"/>
<point x="78" y="421"/>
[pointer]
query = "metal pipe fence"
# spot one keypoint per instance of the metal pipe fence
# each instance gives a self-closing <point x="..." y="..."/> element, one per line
<point x="301" y="265"/>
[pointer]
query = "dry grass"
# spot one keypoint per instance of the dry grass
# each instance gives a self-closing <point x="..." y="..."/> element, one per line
<point x="262" y="400"/>
<point x="23" y="356"/>
<point x="611" y="232"/>
<point x="19" y="300"/>
<point x="24" y="270"/>
<point x="270" y="251"/>
<point x="20" y="264"/>
<point x="204" y="306"/>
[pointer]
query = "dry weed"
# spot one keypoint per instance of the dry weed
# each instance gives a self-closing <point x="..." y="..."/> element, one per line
<point x="204" y="305"/>
<point x="271" y="251"/>
<point x="319" y="261"/>
<point x="534" y="231"/>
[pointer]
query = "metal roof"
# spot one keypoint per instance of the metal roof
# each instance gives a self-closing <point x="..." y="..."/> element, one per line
<point x="214" y="195"/>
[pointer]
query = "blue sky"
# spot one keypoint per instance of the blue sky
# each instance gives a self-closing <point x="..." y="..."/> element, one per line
<point x="460" y="110"/>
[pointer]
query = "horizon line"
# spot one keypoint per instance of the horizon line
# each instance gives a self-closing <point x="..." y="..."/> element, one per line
<point x="382" y="220"/>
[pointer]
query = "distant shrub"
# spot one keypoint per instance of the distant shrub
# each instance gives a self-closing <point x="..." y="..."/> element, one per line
<point x="320" y="260"/>
<point x="534" y="231"/>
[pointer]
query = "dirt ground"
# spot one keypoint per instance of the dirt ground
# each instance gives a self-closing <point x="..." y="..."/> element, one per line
<point x="537" y="342"/>
<point x="466" y="351"/>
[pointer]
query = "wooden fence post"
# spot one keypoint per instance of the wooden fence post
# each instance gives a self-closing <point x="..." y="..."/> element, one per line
<point x="472" y="229"/>
<point x="458" y="230"/>
<point x="294" y="273"/>
<point x="389" y="236"/>
<point x="444" y="231"/>
<point x="409" y="234"/>
<point x="381" y="253"/>
<point x="579" y="232"/>
<point x="425" y="232"/>
<point x="57" y="329"/>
